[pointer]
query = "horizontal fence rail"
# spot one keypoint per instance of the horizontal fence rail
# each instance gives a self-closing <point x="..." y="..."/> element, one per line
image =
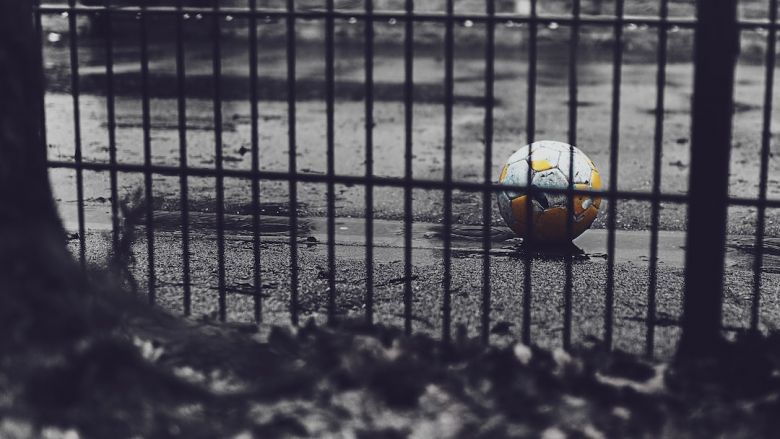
<point x="329" y="16"/>
<point x="346" y="14"/>
<point x="396" y="182"/>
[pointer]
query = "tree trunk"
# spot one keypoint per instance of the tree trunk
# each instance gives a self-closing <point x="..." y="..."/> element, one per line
<point x="24" y="183"/>
<point x="43" y="296"/>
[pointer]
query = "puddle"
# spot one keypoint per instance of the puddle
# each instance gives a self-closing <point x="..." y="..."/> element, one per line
<point x="427" y="239"/>
<point x="582" y="104"/>
<point x="668" y="111"/>
<point x="170" y="122"/>
<point x="746" y="246"/>
<point x="200" y="222"/>
<point x="266" y="208"/>
<point x="743" y="107"/>
<point x="464" y="235"/>
<point x="234" y="87"/>
<point x="468" y="233"/>
<point x="554" y="252"/>
<point x="522" y="251"/>
<point x="739" y="107"/>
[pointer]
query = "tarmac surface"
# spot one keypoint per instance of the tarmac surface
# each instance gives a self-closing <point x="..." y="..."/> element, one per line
<point x="507" y="262"/>
<point x="507" y="259"/>
<point x="636" y="125"/>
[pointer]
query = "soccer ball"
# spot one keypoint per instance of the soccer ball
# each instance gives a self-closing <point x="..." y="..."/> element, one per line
<point x="549" y="168"/>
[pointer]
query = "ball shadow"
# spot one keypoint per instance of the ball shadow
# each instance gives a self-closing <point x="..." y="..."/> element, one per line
<point x="549" y="251"/>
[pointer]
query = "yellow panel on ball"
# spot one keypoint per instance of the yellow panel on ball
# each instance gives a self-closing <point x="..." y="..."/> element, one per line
<point x="503" y="174"/>
<point x="595" y="184"/>
<point x="595" y="180"/>
<point x="540" y="165"/>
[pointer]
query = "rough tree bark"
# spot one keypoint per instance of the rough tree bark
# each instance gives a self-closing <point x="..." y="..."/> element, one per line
<point x="43" y="298"/>
<point x="24" y="184"/>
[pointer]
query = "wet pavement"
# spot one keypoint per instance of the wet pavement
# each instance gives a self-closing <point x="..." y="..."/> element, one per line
<point x="594" y="99"/>
<point x="507" y="259"/>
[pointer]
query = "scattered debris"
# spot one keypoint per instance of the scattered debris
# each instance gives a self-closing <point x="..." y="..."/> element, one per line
<point x="502" y="328"/>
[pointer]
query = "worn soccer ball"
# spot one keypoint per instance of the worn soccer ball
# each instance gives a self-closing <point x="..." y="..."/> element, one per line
<point x="549" y="168"/>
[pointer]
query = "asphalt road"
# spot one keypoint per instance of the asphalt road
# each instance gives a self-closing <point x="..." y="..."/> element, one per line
<point x="594" y="100"/>
<point x="506" y="277"/>
<point x="548" y="274"/>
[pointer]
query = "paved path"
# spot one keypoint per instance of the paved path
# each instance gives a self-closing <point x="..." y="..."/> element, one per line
<point x="506" y="278"/>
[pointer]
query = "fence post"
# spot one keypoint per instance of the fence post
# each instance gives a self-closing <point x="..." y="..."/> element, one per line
<point x="716" y="49"/>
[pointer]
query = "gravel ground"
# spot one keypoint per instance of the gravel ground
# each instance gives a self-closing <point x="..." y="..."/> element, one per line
<point x="548" y="277"/>
<point x="594" y="99"/>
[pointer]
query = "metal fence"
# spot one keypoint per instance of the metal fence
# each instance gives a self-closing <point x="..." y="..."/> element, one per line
<point x="490" y="18"/>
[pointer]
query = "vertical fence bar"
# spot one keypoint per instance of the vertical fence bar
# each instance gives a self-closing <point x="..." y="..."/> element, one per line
<point x="573" y="48"/>
<point x="42" y="87"/>
<point x="147" y="141"/>
<point x="487" y="195"/>
<point x="614" y="138"/>
<point x="330" y="110"/>
<point x="183" y="182"/>
<point x="75" y="93"/>
<point x="111" y="125"/>
<point x="766" y="139"/>
<point x="220" y="178"/>
<point x="530" y="135"/>
<point x="256" y="272"/>
<point x="717" y="45"/>
<point x="657" y="155"/>
<point x="408" y="151"/>
<point x="449" y="54"/>
<point x="369" y="121"/>
<point x="292" y="157"/>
